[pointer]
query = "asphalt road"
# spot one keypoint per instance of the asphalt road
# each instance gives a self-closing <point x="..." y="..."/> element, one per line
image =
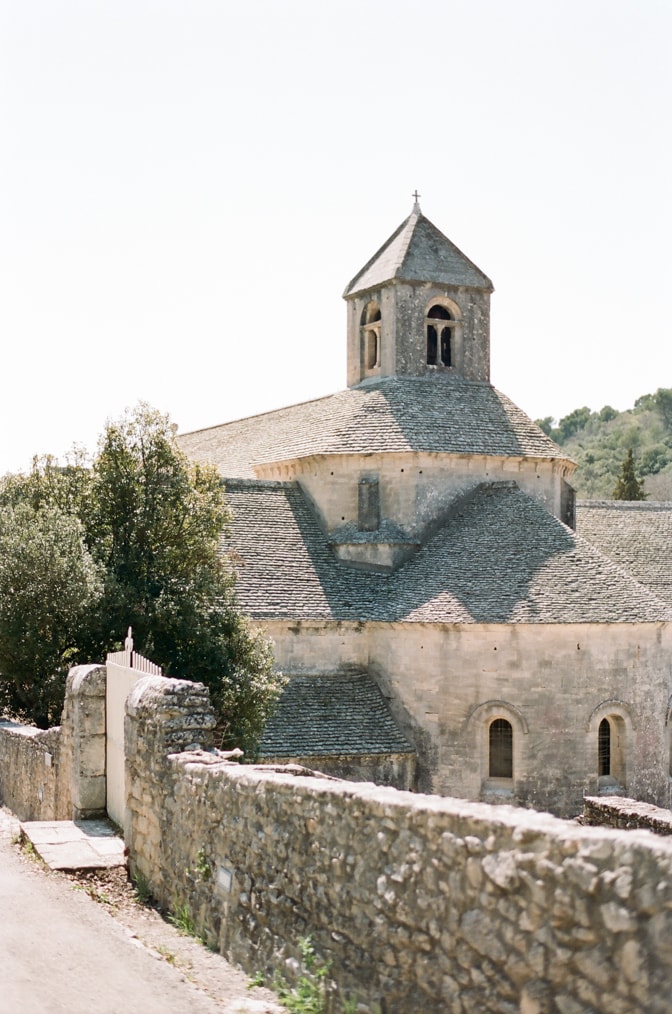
<point x="59" y="952"/>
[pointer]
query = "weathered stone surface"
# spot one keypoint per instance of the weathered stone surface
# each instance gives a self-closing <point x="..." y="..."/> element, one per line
<point x="614" y="811"/>
<point x="29" y="771"/>
<point x="433" y="904"/>
<point x="429" y="903"/>
<point x="59" y="773"/>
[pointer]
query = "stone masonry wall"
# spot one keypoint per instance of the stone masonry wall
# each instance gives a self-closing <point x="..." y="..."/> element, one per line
<point x="59" y="773"/>
<point x="614" y="811"/>
<point x="29" y="767"/>
<point x="420" y="903"/>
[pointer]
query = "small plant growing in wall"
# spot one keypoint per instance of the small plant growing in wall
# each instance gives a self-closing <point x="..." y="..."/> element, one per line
<point x="309" y="996"/>
<point x="203" y="865"/>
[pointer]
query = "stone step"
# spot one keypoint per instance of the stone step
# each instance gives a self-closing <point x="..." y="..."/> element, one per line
<point x="76" y="845"/>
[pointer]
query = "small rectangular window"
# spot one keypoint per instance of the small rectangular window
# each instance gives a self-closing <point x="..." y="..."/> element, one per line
<point x="368" y="504"/>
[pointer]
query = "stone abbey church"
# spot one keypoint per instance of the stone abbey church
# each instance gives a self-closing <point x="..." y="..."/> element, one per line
<point x="410" y="546"/>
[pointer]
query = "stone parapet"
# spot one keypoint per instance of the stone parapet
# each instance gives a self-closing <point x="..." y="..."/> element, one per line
<point x="614" y="811"/>
<point x="59" y="773"/>
<point x="83" y="726"/>
<point x="418" y="902"/>
<point x="29" y="772"/>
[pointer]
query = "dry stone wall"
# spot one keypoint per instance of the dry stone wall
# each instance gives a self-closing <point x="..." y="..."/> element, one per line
<point x="420" y="903"/>
<point x="59" y="773"/>
<point x="29" y="767"/>
<point x="613" y="811"/>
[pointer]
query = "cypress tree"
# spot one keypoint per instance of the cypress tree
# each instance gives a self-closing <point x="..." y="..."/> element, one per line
<point x="628" y="486"/>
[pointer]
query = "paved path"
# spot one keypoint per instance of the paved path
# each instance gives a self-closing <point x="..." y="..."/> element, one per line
<point x="59" y="952"/>
<point x="80" y="845"/>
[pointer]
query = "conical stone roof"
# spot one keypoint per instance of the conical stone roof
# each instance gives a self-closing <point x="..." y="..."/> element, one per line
<point x="418" y="252"/>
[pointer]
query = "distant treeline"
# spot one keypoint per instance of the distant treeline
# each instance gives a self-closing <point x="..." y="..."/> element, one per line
<point x="599" y="443"/>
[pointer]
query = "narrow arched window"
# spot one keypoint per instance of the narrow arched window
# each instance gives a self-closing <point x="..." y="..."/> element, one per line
<point x="604" y="748"/>
<point x="446" y="353"/>
<point x="432" y="343"/>
<point x="369" y="324"/>
<point x="500" y="736"/>
<point x="439" y="336"/>
<point x="371" y="349"/>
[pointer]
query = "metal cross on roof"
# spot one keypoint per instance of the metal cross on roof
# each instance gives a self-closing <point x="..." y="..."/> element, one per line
<point x="416" y="196"/>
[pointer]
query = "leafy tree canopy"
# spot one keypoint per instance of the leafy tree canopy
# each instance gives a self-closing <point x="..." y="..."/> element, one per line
<point x="599" y="442"/>
<point x="49" y="584"/>
<point x="151" y="523"/>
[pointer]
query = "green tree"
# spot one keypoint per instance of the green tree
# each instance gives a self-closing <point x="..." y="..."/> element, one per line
<point x="645" y="403"/>
<point x="156" y="525"/>
<point x="547" y="425"/>
<point x="572" y="423"/>
<point x="49" y="583"/>
<point x="607" y="413"/>
<point x="663" y="403"/>
<point x="628" y="486"/>
<point x="153" y="522"/>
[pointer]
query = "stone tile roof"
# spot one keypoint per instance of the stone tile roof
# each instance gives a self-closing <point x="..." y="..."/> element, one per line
<point x="502" y="558"/>
<point x="441" y="414"/>
<point x="418" y="252"/>
<point x="326" y="716"/>
<point x="284" y="565"/>
<point x="635" y="535"/>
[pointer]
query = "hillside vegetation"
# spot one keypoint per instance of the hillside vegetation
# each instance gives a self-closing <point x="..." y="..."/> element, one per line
<point x="599" y="443"/>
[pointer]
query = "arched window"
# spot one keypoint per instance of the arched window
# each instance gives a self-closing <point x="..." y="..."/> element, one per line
<point x="439" y="326"/>
<point x="609" y="728"/>
<point x="500" y="745"/>
<point x="604" y="748"/>
<point x="369" y="326"/>
<point x="500" y="740"/>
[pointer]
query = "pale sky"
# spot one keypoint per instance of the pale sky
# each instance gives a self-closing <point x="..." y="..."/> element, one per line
<point x="187" y="187"/>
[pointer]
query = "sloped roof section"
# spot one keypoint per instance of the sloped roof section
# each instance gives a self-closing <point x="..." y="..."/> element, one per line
<point x="439" y="414"/>
<point x="418" y="252"/>
<point x="284" y="565"/>
<point x="502" y="558"/>
<point x="635" y="535"/>
<point x="506" y="559"/>
<point x="327" y="716"/>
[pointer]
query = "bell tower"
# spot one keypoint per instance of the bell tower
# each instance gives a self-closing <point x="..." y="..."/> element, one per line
<point x="419" y="307"/>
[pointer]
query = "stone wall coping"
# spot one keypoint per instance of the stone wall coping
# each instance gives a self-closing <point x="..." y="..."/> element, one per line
<point x="150" y="689"/>
<point x="29" y="731"/>
<point x="631" y="810"/>
<point x="523" y="825"/>
<point x="85" y="680"/>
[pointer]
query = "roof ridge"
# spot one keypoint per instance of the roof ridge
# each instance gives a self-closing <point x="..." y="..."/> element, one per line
<point x="635" y="505"/>
<point x="388" y="242"/>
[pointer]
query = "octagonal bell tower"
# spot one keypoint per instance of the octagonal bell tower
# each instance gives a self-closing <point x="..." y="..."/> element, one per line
<point x="419" y="307"/>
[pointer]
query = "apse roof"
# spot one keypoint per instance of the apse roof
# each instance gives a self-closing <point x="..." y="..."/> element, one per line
<point x="501" y="558"/>
<point x="436" y="414"/>
<point x="418" y="252"/>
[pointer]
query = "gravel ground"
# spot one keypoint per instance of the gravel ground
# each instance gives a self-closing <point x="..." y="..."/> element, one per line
<point x="210" y="972"/>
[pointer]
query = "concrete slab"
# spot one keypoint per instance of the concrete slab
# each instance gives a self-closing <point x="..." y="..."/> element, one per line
<point x="76" y="845"/>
